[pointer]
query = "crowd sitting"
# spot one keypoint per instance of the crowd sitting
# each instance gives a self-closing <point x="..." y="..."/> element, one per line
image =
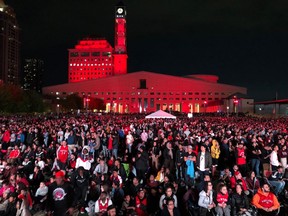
<point x="128" y="165"/>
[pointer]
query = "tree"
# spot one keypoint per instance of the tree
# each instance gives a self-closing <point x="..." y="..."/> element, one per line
<point x="13" y="99"/>
<point x="72" y="101"/>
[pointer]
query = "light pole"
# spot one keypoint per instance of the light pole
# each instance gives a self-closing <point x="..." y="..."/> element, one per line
<point x="205" y="104"/>
<point x="58" y="109"/>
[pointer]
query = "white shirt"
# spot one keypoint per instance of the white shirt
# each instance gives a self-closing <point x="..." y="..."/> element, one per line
<point x="97" y="209"/>
<point x="202" y="162"/>
<point x="274" y="159"/>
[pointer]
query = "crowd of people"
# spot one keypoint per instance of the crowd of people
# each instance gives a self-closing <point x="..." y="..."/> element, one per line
<point x="112" y="164"/>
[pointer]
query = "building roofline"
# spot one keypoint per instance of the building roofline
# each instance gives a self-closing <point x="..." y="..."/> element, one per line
<point x="144" y="72"/>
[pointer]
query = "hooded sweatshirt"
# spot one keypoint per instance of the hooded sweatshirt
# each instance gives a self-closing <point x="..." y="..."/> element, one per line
<point x="265" y="200"/>
<point x="84" y="160"/>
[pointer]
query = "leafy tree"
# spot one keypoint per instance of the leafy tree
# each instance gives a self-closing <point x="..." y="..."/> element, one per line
<point x="72" y="101"/>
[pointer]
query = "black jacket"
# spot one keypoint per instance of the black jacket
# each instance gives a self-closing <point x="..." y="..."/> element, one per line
<point x="239" y="201"/>
<point x="165" y="212"/>
<point x="142" y="161"/>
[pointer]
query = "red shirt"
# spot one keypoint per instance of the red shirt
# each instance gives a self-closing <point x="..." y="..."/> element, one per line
<point x="14" y="154"/>
<point x="241" y="160"/>
<point x="62" y="153"/>
<point x="222" y="198"/>
<point x="138" y="210"/>
<point x="266" y="201"/>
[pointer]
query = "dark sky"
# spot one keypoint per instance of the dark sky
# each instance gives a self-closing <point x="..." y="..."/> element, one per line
<point x="243" y="42"/>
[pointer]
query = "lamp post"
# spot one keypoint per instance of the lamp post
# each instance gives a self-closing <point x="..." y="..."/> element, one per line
<point x="205" y="105"/>
<point x="87" y="101"/>
<point x="58" y="109"/>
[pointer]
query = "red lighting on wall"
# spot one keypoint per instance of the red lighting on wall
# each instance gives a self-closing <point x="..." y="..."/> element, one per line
<point x="94" y="58"/>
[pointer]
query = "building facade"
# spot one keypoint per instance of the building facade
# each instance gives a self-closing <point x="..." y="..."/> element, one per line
<point x="9" y="46"/>
<point x="147" y="92"/>
<point x="33" y="72"/>
<point x="94" y="58"/>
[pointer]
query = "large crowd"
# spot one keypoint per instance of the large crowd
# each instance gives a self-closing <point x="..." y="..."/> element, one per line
<point x="112" y="164"/>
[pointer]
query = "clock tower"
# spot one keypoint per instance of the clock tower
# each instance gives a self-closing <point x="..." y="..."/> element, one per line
<point x="120" y="49"/>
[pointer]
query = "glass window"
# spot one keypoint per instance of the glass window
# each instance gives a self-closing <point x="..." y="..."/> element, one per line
<point x="74" y="54"/>
<point x="152" y="103"/>
<point x="142" y="84"/>
<point x="84" y="54"/>
<point x="95" y="54"/>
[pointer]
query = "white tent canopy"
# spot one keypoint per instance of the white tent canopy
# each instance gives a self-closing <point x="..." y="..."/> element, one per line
<point x="160" y="114"/>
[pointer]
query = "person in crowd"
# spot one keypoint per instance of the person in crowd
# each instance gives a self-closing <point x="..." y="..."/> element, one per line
<point x="276" y="180"/>
<point x="203" y="161"/>
<point x="170" y="209"/>
<point x="101" y="205"/>
<point x="252" y="182"/>
<point x="62" y="155"/>
<point x="60" y="198"/>
<point x="141" y="203"/>
<point x="223" y="207"/>
<point x="255" y="155"/>
<point x="239" y="202"/>
<point x="207" y="200"/>
<point x="240" y="155"/>
<point x="274" y="158"/>
<point x="168" y="195"/>
<point x="265" y="201"/>
<point x="155" y="155"/>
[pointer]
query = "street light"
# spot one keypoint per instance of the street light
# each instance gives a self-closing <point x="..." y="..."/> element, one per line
<point x="205" y="103"/>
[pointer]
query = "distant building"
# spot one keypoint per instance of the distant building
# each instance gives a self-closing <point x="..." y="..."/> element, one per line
<point x="9" y="46"/>
<point x="94" y="58"/>
<point x="33" y="72"/>
<point x="273" y="108"/>
<point x="147" y="92"/>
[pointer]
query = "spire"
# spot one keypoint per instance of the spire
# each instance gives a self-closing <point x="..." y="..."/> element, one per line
<point x="120" y="3"/>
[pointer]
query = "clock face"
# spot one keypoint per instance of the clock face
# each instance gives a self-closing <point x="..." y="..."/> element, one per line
<point x="120" y="10"/>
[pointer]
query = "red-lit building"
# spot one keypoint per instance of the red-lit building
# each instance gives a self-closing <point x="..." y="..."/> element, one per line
<point x="94" y="58"/>
<point x="142" y="91"/>
<point x="146" y="92"/>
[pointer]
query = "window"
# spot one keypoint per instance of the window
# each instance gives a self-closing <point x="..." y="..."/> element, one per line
<point x="151" y="102"/>
<point x="196" y="93"/>
<point x="84" y="54"/>
<point x="74" y="54"/>
<point x="143" y="84"/>
<point x="106" y="54"/>
<point x="95" y="54"/>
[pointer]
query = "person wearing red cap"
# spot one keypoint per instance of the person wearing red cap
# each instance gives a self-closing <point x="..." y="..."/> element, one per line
<point x="60" y="199"/>
<point x="237" y="178"/>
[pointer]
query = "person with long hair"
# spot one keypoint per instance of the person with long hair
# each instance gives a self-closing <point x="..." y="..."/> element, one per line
<point x="206" y="200"/>
<point x="252" y="182"/>
<point x="223" y="204"/>
<point x="239" y="202"/>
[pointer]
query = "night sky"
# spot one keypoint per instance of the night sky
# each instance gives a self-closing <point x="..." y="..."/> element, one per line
<point x="245" y="43"/>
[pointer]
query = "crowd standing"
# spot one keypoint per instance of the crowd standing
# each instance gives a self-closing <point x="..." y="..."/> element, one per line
<point x="127" y="165"/>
